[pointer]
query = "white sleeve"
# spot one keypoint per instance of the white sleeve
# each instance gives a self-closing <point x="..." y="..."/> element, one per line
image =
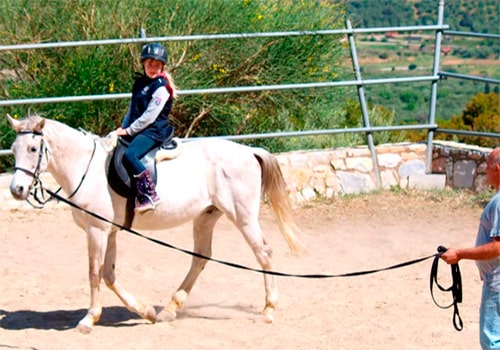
<point x="155" y="106"/>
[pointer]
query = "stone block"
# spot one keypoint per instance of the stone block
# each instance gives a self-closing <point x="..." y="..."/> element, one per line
<point x="389" y="160"/>
<point x="358" y="152"/>
<point x="352" y="183"/>
<point x="338" y="164"/>
<point x="427" y="182"/>
<point x="388" y="179"/>
<point x="363" y="164"/>
<point x="439" y="165"/>
<point x="412" y="167"/>
<point x="464" y="172"/>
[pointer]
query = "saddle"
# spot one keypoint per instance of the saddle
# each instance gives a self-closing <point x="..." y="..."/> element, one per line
<point x="118" y="178"/>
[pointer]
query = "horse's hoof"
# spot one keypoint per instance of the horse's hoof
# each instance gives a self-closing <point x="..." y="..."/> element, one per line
<point x="151" y="314"/>
<point x="83" y="328"/>
<point x="166" y="316"/>
<point x="268" y="319"/>
<point x="267" y="315"/>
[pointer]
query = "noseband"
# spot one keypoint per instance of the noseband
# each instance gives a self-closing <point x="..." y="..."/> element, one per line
<point x="35" y="174"/>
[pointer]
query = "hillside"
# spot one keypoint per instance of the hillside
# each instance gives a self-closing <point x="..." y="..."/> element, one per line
<point x="412" y="53"/>
<point x="481" y="16"/>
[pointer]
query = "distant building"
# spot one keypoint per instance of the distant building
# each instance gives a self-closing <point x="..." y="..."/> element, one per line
<point x="414" y="38"/>
<point x="446" y="50"/>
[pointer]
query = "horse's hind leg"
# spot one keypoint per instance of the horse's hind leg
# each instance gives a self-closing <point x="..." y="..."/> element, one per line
<point x="203" y="227"/>
<point x="245" y="216"/>
<point x="253" y="235"/>
<point x="131" y="302"/>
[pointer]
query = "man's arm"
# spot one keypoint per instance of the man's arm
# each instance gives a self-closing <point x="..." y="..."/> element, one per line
<point x="483" y="252"/>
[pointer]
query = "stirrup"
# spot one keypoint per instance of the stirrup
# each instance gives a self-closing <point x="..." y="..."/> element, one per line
<point x="151" y="205"/>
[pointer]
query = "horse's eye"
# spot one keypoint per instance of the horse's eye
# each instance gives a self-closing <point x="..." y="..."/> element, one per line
<point x="33" y="149"/>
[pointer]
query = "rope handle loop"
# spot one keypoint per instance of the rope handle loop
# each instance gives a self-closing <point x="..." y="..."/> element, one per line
<point x="455" y="288"/>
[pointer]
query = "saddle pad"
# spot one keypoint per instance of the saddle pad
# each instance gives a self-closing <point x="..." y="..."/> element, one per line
<point x="169" y="150"/>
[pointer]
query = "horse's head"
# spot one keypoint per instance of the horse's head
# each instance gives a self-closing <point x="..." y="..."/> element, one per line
<point x="30" y="154"/>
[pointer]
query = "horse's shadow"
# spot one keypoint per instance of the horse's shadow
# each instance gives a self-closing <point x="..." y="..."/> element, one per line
<point x="115" y="316"/>
<point x="63" y="319"/>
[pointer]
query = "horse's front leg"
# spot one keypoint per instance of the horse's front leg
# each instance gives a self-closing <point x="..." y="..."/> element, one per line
<point x="96" y="244"/>
<point x="132" y="303"/>
<point x="202" y="233"/>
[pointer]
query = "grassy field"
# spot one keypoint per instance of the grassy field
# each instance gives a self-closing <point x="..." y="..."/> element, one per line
<point x="380" y="57"/>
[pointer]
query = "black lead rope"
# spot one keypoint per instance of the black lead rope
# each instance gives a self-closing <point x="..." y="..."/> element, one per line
<point x="455" y="288"/>
<point x="227" y="263"/>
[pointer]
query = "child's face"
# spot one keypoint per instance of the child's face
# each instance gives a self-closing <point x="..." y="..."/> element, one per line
<point x="152" y="67"/>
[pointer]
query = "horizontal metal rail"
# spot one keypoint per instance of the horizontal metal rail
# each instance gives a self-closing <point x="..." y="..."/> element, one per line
<point x="304" y="133"/>
<point x="469" y="77"/>
<point x="218" y="37"/>
<point x="226" y="90"/>
<point x="476" y="35"/>
<point x="469" y="133"/>
<point x="328" y="132"/>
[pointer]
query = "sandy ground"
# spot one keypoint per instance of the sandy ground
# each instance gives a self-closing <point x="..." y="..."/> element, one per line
<point x="44" y="286"/>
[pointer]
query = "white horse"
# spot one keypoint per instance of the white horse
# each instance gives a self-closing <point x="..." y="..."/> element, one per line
<point x="211" y="177"/>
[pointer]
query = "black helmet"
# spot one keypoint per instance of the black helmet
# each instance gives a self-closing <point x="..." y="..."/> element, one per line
<point x="154" y="51"/>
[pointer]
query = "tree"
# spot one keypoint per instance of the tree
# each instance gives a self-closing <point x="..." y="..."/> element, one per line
<point x="482" y="113"/>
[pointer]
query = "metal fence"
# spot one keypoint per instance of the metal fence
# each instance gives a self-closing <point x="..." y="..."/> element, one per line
<point x="438" y="29"/>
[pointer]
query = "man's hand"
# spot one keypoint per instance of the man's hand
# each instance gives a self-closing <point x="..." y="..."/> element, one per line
<point x="451" y="256"/>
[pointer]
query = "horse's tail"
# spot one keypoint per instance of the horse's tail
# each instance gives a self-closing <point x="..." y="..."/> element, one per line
<point x="275" y="188"/>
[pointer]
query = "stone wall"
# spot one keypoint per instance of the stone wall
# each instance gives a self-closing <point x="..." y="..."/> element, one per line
<point x="336" y="172"/>
<point x="329" y="173"/>
<point x="463" y="165"/>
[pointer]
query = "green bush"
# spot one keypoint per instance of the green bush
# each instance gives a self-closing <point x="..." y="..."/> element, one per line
<point x="108" y="69"/>
<point x="482" y="114"/>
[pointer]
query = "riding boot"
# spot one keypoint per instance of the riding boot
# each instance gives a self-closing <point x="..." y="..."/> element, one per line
<point x="146" y="196"/>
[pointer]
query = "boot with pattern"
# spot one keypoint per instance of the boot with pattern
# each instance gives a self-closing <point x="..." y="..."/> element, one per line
<point x="146" y="196"/>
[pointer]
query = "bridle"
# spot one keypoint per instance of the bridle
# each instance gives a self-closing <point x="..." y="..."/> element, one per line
<point x="35" y="173"/>
<point x="37" y="190"/>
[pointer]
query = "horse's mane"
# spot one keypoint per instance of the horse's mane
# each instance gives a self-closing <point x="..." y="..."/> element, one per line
<point x="32" y="121"/>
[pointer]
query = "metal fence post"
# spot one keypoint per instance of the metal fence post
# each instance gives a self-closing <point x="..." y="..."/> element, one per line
<point x="362" y="102"/>
<point x="435" y="71"/>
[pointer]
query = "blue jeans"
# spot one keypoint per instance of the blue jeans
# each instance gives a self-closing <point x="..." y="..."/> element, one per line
<point x="489" y="320"/>
<point x="138" y="148"/>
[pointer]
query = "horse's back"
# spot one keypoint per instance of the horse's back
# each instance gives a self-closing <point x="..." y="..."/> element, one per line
<point x="220" y="148"/>
<point x="208" y="154"/>
<point x="208" y="172"/>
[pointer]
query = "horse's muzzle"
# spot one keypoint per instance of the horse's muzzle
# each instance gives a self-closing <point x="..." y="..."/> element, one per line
<point x="19" y="190"/>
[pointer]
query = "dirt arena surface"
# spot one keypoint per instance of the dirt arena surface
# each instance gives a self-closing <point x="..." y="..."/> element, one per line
<point x="44" y="285"/>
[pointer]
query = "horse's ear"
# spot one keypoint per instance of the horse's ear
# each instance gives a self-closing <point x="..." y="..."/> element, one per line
<point x="16" y="124"/>
<point x="39" y="126"/>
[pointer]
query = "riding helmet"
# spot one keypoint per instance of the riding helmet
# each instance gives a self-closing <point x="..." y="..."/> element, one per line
<point x="154" y="51"/>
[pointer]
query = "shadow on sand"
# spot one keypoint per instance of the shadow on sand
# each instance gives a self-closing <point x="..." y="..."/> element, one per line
<point x="63" y="319"/>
